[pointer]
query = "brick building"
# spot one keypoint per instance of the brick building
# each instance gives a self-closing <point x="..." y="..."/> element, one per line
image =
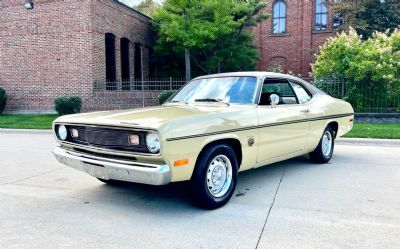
<point x="51" y="48"/>
<point x="292" y="35"/>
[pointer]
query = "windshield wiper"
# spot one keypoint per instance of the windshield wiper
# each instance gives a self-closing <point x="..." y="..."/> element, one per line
<point x="178" y="101"/>
<point x="211" y="100"/>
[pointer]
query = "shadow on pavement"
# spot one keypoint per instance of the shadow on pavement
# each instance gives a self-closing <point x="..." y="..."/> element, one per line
<point x="177" y="195"/>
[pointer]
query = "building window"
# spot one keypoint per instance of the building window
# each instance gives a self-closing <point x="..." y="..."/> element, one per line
<point x="138" y="61"/>
<point x="125" y="65"/>
<point x="110" y="61"/>
<point x="338" y="20"/>
<point x="279" y="17"/>
<point x="321" y="15"/>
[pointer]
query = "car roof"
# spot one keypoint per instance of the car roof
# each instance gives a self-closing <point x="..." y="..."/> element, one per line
<point x="260" y="74"/>
<point x="257" y="74"/>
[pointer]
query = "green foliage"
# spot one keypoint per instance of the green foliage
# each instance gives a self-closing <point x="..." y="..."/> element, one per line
<point x="68" y="105"/>
<point x="164" y="95"/>
<point x="3" y="100"/>
<point x="147" y="7"/>
<point x="369" y="16"/>
<point x="372" y="67"/>
<point x="217" y="32"/>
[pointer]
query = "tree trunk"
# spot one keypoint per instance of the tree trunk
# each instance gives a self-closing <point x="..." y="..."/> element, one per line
<point x="187" y="65"/>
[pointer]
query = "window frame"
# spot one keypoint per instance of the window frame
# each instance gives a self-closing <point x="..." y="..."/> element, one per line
<point x="279" y="17"/>
<point x="110" y="58"/>
<point x="312" y="92"/>
<point x="125" y="58"/>
<point x="340" y="17"/>
<point x="305" y="89"/>
<point x="137" y="59"/>
<point x="257" y="89"/>
<point x="316" y="14"/>
<point x="279" y="81"/>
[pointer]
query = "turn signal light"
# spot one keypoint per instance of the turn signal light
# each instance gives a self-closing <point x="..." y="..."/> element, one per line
<point x="74" y="133"/>
<point x="181" y="162"/>
<point x="133" y="139"/>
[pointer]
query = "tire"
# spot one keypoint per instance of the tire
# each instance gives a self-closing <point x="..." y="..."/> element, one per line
<point x="215" y="176"/>
<point x="324" y="151"/>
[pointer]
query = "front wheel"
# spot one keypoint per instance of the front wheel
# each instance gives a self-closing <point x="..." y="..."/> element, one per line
<point x="324" y="151"/>
<point x="215" y="176"/>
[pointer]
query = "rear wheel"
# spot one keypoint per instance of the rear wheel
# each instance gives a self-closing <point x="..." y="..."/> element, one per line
<point x="324" y="151"/>
<point x="215" y="176"/>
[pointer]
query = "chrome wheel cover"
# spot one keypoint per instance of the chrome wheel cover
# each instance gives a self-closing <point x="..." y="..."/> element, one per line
<point x="327" y="143"/>
<point x="219" y="176"/>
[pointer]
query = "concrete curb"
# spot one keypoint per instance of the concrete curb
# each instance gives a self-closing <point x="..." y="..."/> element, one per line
<point x="34" y="131"/>
<point x="368" y="141"/>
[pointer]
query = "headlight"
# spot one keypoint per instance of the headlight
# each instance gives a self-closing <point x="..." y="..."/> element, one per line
<point x="153" y="142"/>
<point x="62" y="132"/>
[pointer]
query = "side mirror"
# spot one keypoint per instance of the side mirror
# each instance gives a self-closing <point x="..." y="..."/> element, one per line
<point x="274" y="98"/>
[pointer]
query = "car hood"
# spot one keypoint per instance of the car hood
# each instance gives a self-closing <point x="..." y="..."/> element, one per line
<point x="148" y="118"/>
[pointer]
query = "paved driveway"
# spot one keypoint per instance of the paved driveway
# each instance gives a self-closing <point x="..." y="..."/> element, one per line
<point x="352" y="202"/>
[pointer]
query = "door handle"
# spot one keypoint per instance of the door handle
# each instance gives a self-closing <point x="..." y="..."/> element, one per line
<point x="305" y="111"/>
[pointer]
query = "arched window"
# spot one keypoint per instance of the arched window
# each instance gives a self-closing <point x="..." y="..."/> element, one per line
<point x="125" y="64"/>
<point x="321" y="15"/>
<point x="138" y="61"/>
<point x="279" y="17"/>
<point x="110" y="61"/>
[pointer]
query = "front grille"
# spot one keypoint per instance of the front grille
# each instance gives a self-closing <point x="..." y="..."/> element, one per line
<point x="107" y="138"/>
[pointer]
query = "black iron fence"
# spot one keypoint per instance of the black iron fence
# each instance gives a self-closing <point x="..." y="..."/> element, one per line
<point x="365" y="97"/>
<point x="155" y="84"/>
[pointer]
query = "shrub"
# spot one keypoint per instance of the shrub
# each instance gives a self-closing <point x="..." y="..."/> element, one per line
<point x="164" y="95"/>
<point x="371" y="67"/>
<point x="3" y="100"/>
<point x="68" y="105"/>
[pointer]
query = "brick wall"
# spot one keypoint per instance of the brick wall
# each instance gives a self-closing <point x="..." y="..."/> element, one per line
<point x="58" y="49"/>
<point x="295" y="49"/>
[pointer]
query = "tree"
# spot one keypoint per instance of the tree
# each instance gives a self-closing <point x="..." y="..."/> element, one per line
<point x="214" y="34"/>
<point x="147" y="7"/>
<point x="368" y="16"/>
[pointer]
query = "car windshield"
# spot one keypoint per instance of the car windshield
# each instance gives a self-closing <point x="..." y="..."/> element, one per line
<point x="236" y="90"/>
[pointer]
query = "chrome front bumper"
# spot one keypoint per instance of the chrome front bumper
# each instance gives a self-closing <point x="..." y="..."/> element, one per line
<point x="114" y="169"/>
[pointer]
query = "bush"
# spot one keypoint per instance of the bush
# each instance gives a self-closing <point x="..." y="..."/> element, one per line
<point x="371" y="67"/>
<point x="3" y="100"/>
<point x="164" y="95"/>
<point x="68" y="105"/>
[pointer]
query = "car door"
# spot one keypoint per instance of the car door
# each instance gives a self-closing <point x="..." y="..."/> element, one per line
<point x="283" y="130"/>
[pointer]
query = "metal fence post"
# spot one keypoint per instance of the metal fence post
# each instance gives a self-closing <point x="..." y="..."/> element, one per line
<point x="342" y="88"/>
<point x="142" y="85"/>
<point x="170" y="83"/>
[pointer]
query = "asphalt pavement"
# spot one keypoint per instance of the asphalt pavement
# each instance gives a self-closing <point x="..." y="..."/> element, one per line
<point x="351" y="202"/>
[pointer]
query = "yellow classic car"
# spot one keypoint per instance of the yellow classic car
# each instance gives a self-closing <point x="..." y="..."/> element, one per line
<point x="212" y="128"/>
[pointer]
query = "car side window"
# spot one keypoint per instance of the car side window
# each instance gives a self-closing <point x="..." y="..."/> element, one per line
<point x="302" y="94"/>
<point x="280" y="88"/>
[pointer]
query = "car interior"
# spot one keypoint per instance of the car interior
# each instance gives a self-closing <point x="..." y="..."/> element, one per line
<point x="280" y="87"/>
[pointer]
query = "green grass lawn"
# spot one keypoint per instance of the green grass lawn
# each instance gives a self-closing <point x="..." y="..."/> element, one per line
<point x="375" y="131"/>
<point x="26" y="121"/>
